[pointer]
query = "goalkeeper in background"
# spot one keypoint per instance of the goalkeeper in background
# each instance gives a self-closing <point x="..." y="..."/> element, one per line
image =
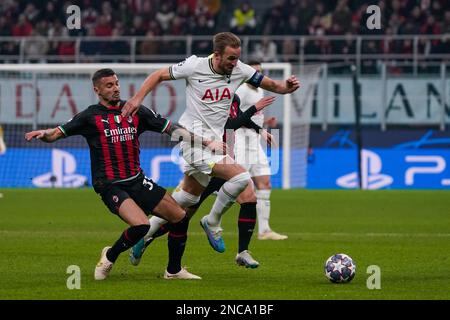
<point x="250" y="154"/>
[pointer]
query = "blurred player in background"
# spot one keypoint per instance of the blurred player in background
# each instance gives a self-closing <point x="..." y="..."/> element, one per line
<point x="2" y="142"/>
<point x="210" y="86"/>
<point x="249" y="153"/>
<point x="116" y="173"/>
<point x="2" y="148"/>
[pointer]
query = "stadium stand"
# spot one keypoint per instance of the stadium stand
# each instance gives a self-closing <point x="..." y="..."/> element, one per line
<point x="295" y="31"/>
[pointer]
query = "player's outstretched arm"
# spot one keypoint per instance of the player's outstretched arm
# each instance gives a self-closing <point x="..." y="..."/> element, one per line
<point x="155" y="78"/>
<point x="264" y="102"/>
<point x="177" y="133"/>
<point x="243" y="119"/>
<point x="47" y="135"/>
<point x="288" y="86"/>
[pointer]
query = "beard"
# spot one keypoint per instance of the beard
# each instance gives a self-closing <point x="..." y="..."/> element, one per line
<point x="227" y="71"/>
<point x="114" y="101"/>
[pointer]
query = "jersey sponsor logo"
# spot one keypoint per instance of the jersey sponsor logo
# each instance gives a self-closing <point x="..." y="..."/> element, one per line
<point x="121" y="134"/>
<point x="120" y="131"/>
<point x="216" y="95"/>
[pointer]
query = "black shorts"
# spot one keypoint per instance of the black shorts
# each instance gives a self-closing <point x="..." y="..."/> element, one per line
<point x="146" y="193"/>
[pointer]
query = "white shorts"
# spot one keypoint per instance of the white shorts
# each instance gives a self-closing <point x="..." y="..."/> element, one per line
<point x="198" y="162"/>
<point x="254" y="160"/>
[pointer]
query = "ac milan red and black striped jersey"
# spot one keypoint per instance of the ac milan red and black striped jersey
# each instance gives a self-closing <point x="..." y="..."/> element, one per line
<point x="113" y="140"/>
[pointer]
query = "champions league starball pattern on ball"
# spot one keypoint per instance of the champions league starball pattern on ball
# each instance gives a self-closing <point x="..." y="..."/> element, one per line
<point x="340" y="268"/>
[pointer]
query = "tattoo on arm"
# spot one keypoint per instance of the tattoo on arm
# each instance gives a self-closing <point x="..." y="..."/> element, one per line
<point x="179" y="133"/>
<point x="51" y="135"/>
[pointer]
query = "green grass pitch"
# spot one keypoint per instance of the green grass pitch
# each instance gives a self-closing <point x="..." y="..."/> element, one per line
<point x="405" y="233"/>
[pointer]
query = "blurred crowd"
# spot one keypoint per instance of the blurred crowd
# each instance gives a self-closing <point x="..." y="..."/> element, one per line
<point x="149" y="18"/>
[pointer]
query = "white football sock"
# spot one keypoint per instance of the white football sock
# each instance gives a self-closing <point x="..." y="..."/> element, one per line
<point x="227" y="196"/>
<point x="263" y="209"/>
<point x="155" y="224"/>
<point x="183" y="198"/>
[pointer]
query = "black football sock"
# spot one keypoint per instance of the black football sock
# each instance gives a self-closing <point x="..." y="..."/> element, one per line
<point x="246" y="224"/>
<point x="129" y="238"/>
<point x="176" y="242"/>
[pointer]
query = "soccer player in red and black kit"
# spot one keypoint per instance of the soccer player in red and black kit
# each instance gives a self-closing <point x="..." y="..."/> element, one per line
<point x="247" y="199"/>
<point x="116" y="173"/>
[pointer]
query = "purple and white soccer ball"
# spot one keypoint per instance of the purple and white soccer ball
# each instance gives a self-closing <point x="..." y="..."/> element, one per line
<point x="340" y="268"/>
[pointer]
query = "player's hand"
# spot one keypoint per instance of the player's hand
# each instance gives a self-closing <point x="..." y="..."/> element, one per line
<point x="131" y="107"/>
<point x="38" y="134"/>
<point x="264" y="102"/>
<point x="216" y="146"/>
<point x="268" y="138"/>
<point x="292" y="84"/>
<point x="271" y="122"/>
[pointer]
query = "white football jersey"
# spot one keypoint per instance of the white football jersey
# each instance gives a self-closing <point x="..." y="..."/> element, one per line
<point x="249" y="96"/>
<point x="209" y="94"/>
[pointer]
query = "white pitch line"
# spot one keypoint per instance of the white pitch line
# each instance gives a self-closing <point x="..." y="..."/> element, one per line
<point x="70" y="233"/>
<point x="370" y="234"/>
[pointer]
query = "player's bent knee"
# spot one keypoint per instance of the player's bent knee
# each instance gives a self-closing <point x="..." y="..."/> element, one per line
<point x="176" y="213"/>
<point x="248" y="195"/>
<point x="185" y="199"/>
<point x="237" y="184"/>
<point x="241" y="179"/>
<point x="169" y="210"/>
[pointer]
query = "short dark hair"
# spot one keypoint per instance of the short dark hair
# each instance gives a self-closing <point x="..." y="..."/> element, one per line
<point x="102" y="73"/>
<point x="225" y="39"/>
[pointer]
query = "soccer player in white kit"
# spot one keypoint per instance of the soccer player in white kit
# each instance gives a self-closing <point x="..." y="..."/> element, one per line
<point x="210" y="85"/>
<point x="249" y="153"/>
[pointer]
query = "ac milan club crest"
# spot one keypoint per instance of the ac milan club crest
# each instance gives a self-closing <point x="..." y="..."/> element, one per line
<point x="130" y="119"/>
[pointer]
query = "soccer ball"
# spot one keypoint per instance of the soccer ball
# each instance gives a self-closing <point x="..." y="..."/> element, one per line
<point x="340" y="268"/>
